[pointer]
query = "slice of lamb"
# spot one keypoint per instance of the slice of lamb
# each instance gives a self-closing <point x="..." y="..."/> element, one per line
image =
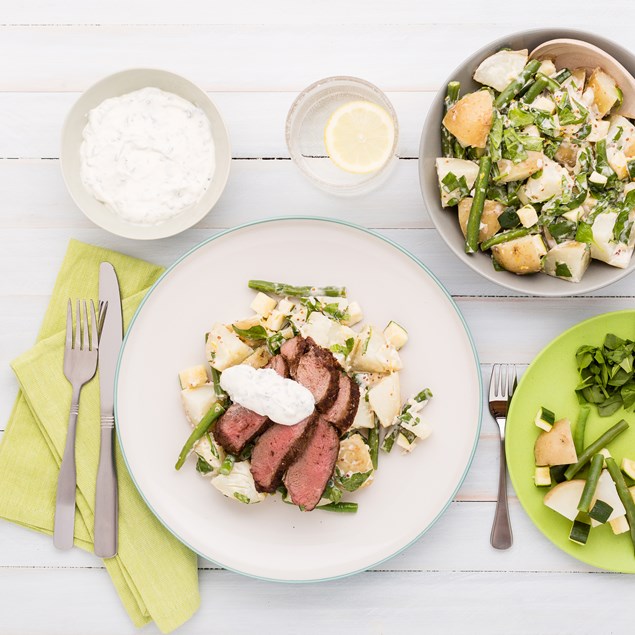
<point x="292" y="350"/>
<point x="237" y="427"/>
<point x="279" y="364"/>
<point x="319" y="371"/>
<point x="307" y="477"/>
<point x="343" y="411"/>
<point x="276" y="449"/>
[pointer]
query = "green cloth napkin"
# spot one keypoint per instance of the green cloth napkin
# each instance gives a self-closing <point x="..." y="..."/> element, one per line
<point x="155" y="575"/>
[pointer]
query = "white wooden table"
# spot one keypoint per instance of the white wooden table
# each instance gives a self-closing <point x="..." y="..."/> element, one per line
<point x="254" y="57"/>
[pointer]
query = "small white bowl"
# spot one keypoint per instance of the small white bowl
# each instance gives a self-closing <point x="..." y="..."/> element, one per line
<point x="120" y="84"/>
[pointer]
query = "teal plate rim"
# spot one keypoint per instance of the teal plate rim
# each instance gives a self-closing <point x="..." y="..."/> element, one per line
<point x="277" y="219"/>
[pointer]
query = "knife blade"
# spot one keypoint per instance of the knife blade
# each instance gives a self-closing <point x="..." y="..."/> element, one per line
<point x="106" y="505"/>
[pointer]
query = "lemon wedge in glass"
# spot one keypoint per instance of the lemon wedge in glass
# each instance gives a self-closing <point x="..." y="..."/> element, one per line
<point x="359" y="137"/>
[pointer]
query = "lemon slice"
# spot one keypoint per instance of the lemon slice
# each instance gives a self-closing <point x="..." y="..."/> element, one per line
<point x="359" y="137"/>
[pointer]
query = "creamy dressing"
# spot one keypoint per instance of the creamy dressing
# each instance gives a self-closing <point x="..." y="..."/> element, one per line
<point x="148" y="155"/>
<point x="262" y="390"/>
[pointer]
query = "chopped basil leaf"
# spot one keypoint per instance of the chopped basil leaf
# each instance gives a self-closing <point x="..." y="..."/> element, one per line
<point x="562" y="270"/>
<point x="509" y="219"/>
<point x="255" y="333"/>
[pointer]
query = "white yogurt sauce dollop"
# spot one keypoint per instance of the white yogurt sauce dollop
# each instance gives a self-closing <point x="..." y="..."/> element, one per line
<point x="148" y="155"/>
<point x="262" y="390"/>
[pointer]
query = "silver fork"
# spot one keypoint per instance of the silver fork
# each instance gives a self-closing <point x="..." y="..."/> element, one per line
<point x="501" y="388"/>
<point x="80" y="364"/>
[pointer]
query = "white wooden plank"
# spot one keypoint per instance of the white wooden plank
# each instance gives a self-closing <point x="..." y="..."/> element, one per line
<point x="287" y="58"/>
<point x="31" y="123"/>
<point x="32" y="252"/>
<point x="80" y="601"/>
<point x="34" y="196"/>
<point x="459" y="541"/>
<point x="277" y="12"/>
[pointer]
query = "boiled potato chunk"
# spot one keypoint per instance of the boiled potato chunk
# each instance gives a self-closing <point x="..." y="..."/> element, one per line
<point x="527" y="215"/>
<point x="564" y="498"/>
<point x="384" y="399"/>
<point x="604" y="247"/>
<point x="373" y="354"/>
<point x="489" y="220"/>
<point x="568" y="260"/>
<point x="556" y="447"/>
<point x="197" y="402"/>
<point x="470" y="119"/>
<point x="605" y="91"/>
<point x="501" y="69"/>
<point x="522" y="255"/>
<point x="193" y="377"/>
<point x="458" y="167"/>
<point x="263" y="304"/>
<point x="599" y="130"/>
<point x="224" y="348"/>
<point x="354" y="458"/>
<point x="396" y="335"/>
<point x="510" y="171"/>
<point x="548" y="184"/>
<point x="259" y="358"/>
<point x="364" y="417"/>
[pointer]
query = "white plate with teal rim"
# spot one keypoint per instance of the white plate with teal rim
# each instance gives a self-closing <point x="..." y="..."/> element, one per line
<point x="273" y="540"/>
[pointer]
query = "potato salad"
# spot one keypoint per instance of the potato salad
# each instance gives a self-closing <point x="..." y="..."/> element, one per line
<point x="540" y="166"/>
<point x="323" y="323"/>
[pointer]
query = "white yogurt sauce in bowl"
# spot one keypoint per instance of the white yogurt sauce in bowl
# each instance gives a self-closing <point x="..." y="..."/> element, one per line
<point x="148" y="155"/>
<point x="262" y="390"/>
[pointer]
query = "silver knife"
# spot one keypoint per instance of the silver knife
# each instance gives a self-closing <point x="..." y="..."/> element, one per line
<point x="106" y="506"/>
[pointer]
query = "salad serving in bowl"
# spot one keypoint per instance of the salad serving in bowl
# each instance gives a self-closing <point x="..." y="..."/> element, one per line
<point x="532" y="168"/>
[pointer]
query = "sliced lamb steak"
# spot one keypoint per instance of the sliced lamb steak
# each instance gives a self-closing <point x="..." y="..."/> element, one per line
<point x="307" y="477"/>
<point x="319" y="371"/>
<point x="343" y="411"/>
<point x="279" y="364"/>
<point x="237" y="427"/>
<point x="292" y="350"/>
<point x="276" y="449"/>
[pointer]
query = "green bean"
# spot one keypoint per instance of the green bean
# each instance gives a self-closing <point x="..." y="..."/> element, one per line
<point x="221" y="395"/>
<point x="595" y="447"/>
<point x="390" y="438"/>
<point x="478" y="202"/>
<point x="227" y="465"/>
<point x="515" y="86"/>
<point x="203" y="426"/>
<point x="624" y="494"/>
<point x="373" y="443"/>
<point x="580" y="427"/>
<point x="562" y="75"/>
<point x="447" y="138"/>
<point x="346" y="508"/>
<point x="542" y="82"/>
<point x="504" y="237"/>
<point x="281" y="288"/>
<point x="591" y="483"/>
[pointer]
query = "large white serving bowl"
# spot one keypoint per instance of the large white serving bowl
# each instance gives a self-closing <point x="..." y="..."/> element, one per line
<point x="120" y="84"/>
<point x="271" y="539"/>
<point x="445" y="220"/>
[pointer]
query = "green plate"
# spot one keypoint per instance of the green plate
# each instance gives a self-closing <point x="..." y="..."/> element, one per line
<point x="550" y="381"/>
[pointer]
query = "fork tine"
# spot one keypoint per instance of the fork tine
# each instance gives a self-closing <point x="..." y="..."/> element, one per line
<point x="69" y="325"/>
<point x="94" y="341"/>
<point x="493" y="382"/>
<point x="504" y="381"/>
<point x="85" y="340"/>
<point x="513" y="380"/>
<point x="77" y="343"/>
